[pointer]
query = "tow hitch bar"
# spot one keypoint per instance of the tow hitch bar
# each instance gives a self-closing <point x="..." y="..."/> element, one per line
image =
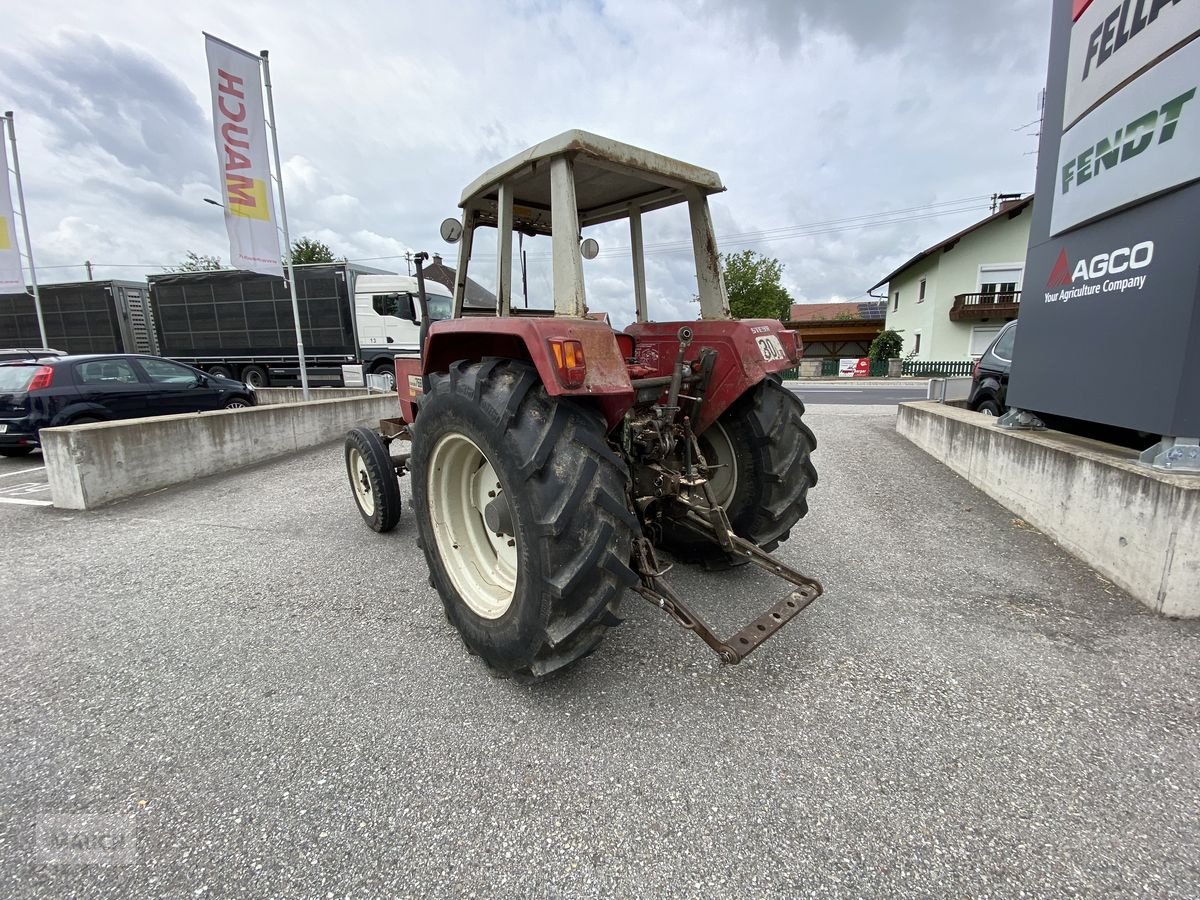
<point x="712" y="522"/>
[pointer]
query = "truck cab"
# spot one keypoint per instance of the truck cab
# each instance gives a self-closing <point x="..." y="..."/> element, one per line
<point x="381" y="308"/>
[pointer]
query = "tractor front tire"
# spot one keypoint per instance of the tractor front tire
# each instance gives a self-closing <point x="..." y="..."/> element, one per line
<point x="764" y="451"/>
<point x="522" y="513"/>
<point x="372" y="479"/>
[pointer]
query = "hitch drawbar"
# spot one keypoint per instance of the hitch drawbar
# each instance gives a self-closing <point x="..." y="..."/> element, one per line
<point x="656" y="590"/>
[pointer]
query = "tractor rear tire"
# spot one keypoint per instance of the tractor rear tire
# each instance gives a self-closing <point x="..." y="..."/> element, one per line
<point x="522" y="513"/>
<point x="763" y="443"/>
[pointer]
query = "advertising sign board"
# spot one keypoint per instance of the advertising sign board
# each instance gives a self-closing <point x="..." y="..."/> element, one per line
<point x="1110" y="318"/>
<point x="1113" y="40"/>
<point x="1140" y="142"/>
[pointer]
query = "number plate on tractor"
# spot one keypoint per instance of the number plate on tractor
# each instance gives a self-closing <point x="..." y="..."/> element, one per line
<point x="770" y="348"/>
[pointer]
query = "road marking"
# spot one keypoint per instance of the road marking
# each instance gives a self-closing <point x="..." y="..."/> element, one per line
<point x="830" y="390"/>
<point x="26" y="502"/>
<point x="22" y="471"/>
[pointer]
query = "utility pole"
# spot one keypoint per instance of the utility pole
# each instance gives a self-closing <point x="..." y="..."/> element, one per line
<point x="88" y="263"/>
<point x="37" y="297"/>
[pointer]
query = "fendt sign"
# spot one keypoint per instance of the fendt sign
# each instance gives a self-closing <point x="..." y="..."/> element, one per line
<point x="1113" y="236"/>
<point x="1143" y="140"/>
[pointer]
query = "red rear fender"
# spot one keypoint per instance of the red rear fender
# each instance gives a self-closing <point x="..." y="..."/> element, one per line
<point x="606" y="382"/>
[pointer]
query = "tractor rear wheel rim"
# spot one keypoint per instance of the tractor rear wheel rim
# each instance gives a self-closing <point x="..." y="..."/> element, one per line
<point x="481" y="563"/>
<point x="718" y="451"/>
<point x="362" y="483"/>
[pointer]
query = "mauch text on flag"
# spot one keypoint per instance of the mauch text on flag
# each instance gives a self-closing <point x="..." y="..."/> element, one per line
<point x="239" y="125"/>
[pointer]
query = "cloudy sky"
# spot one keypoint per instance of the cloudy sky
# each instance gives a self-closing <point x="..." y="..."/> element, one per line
<point x="820" y="116"/>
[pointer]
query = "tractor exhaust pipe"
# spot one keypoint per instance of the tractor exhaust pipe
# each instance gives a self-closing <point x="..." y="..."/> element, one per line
<point x="685" y="340"/>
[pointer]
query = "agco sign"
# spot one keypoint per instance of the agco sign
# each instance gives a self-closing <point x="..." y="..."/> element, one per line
<point x="1122" y="260"/>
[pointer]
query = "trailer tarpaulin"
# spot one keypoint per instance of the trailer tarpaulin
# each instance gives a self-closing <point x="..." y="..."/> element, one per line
<point x="239" y="124"/>
<point x="11" y="276"/>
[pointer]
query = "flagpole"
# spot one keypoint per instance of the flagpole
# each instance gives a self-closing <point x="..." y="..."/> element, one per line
<point x="287" y="239"/>
<point x="37" y="297"/>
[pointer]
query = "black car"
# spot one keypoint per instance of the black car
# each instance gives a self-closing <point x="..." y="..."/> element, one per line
<point x="989" y="388"/>
<point x="70" y="390"/>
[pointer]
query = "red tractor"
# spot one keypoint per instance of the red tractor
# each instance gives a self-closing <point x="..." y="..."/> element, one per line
<point x="552" y="456"/>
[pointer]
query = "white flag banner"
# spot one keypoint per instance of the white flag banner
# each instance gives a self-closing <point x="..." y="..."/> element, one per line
<point x="235" y="78"/>
<point x="12" y="279"/>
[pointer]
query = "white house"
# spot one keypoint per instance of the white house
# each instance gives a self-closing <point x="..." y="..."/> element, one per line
<point x="949" y="301"/>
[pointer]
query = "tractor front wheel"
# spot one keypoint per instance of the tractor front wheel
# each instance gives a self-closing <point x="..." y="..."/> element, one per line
<point x="372" y="479"/>
<point x="522" y="514"/>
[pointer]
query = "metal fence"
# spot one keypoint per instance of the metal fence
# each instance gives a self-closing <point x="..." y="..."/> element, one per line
<point x="938" y="369"/>
<point x="879" y="368"/>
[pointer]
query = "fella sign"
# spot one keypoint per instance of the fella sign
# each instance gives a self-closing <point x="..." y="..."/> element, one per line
<point x="239" y="125"/>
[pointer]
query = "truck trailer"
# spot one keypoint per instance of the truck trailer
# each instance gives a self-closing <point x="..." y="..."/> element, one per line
<point x="82" y="317"/>
<point x="240" y="324"/>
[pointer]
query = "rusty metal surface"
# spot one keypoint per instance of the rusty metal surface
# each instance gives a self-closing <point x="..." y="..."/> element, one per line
<point x="708" y="519"/>
<point x="740" y="364"/>
<point x="393" y="429"/>
<point x="655" y="589"/>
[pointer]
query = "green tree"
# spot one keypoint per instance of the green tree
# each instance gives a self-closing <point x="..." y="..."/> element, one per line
<point x="886" y="345"/>
<point x="753" y="284"/>
<point x="307" y="250"/>
<point x="196" y="262"/>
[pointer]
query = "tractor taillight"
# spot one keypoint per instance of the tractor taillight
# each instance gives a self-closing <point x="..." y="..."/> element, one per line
<point x="790" y="341"/>
<point x="568" y="359"/>
<point x="42" y="378"/>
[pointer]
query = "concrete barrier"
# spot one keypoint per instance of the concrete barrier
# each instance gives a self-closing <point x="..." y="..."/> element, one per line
<point x="273" y="396"/>
<point x="91" y="465"/>
<point x="1138" y="527"/>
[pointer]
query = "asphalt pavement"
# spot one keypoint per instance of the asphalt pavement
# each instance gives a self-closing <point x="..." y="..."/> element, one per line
<point x="23" y="481"/>
<point x="859" y="393"/>
<point x="234" y="689"/>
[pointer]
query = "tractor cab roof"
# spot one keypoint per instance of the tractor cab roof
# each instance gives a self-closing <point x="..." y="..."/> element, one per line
<point x="609" y="177"/>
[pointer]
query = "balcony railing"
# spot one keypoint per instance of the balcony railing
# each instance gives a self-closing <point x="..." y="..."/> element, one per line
<point x="985" y="306"/>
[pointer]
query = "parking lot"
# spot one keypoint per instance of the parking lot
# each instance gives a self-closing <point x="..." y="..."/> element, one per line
<point x="267" y="697"/>
<point x="23" y="482"/>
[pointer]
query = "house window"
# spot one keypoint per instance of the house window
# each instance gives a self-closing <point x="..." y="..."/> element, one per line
<point x="921" y="294"/>
<point x="916" y="342"/>
<point x="895" y="301"/>
<point x="981" y="337"/>
<point x="1000" y="283"/>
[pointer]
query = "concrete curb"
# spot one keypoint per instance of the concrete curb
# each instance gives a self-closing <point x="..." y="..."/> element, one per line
<point x="1137" y="526"/>
<point x="91" y="465"/>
